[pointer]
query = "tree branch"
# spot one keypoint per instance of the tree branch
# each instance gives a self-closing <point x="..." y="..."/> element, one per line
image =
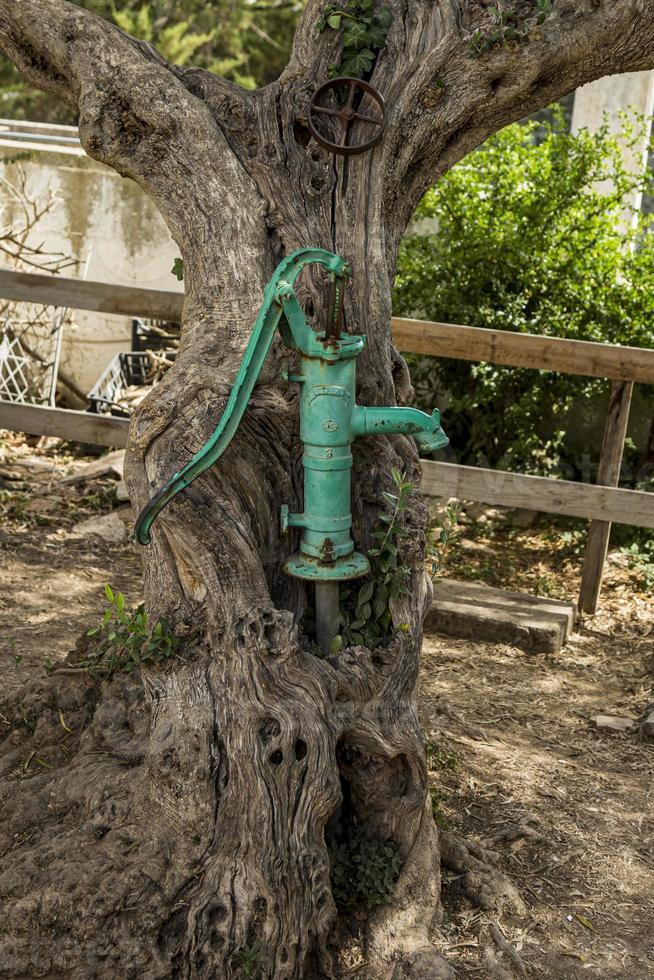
<point x="141" y="116"/>
<point x="459" y="86"/>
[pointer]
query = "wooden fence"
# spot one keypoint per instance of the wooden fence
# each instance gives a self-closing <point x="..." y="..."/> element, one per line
<point x="601" y="504"/>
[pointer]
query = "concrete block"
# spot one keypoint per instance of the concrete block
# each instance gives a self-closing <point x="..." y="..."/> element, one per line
<point x="474" y="611"/>
<point x="613" y="723"/>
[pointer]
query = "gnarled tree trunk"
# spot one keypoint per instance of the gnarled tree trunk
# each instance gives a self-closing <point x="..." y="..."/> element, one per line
<point x="188" y="831"/>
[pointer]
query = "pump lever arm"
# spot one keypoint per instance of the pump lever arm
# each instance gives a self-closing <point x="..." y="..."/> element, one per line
<point x="259" y="344"/>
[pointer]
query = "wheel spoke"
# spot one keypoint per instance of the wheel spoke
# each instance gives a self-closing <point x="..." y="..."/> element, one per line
<point x="348" y="93"/>
<point x="369" y="119"/>
<point x="346" y="126"/>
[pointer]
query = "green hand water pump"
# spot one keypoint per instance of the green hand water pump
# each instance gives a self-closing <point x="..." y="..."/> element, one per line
<point x="330" y="420"/>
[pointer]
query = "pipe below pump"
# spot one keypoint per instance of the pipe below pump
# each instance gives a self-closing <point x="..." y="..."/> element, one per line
<point x="327" y="595"/>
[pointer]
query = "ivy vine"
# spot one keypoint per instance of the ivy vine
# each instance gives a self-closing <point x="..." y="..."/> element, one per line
<point x="364" y="35"/>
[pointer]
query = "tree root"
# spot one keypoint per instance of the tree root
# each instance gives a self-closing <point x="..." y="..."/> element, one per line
<point x="495" y="966"/>
<point x="506" y="948"/>
<point x="479" y="878"/>
<point x="521" y="829"/>
<point x="397" y="936"/>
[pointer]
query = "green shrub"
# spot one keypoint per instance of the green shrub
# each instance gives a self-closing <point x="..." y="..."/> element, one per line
<point x="365" y="870"/>
<point x="528" y="239"/>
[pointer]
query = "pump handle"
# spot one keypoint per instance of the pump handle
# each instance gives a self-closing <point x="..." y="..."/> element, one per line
<point x="267" y="321"/>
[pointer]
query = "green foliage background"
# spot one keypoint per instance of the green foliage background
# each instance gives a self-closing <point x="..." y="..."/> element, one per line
<point x="247" y="41"/>
<point x="526" y="236"/>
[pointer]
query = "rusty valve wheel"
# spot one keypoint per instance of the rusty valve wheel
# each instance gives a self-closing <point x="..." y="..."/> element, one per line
<point x="347" y="114"/>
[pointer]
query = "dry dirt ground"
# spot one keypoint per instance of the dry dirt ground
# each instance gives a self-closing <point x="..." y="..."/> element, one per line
<point x="516" y="763"/>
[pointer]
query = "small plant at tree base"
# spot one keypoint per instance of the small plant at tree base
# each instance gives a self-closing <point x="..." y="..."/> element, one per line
<point x="445" y="529"/>
<point x="439" y="817"/>
<point x="365" y="870"/>
<point x="126" y="640"/>
<point x="640" y="558"/>
<point x="364" y="34"/>
<point x="439" y="758"/>
<point x="247" y="961"/>
<point x="365" y="610"/>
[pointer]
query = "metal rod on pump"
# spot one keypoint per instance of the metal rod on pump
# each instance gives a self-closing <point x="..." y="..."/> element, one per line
<point x="327" y="593"/>
<point x="327" y="615"/>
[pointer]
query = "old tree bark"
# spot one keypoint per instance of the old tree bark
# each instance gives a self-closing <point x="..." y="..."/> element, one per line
<point x="182" y="831"/>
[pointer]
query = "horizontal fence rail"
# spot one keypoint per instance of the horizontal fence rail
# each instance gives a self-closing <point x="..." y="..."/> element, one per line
<point x="41" y="420"/>
<point x="98" y="297"/>
<point x="511" y="349"/>
<point x="525" y="350"/>
<point x="538" y="493"/>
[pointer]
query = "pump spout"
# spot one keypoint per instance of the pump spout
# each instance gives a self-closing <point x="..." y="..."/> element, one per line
<point x="426" y="429"/>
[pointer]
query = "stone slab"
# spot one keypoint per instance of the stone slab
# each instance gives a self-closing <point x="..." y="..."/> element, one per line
<point x="471" y="610"/>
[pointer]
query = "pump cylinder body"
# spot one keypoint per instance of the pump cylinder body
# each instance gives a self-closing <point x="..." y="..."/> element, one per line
<point x="326" y="407"/>
<point x="327" y="403"/>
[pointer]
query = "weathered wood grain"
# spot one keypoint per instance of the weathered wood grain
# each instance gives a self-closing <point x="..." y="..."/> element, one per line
<point x="99" y="297"/>
<point x="538" y="493"/>
<point x="599" y="532"/>
<point x="524" y="350"/>
<point x="41" y="420"/>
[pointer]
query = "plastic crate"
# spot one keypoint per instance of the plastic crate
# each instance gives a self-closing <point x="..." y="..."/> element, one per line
<point x="144" y="337"/>
<point x="125" y="370"/>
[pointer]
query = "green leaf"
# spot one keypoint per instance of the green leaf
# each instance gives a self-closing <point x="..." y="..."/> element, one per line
<point x="365" y="592"/>
<point x="364" y="612"/>
<point x="379" y="605"/>
<point x="178" y="269"/>
<point x="359" y="64"/>
<point x="334" y="21"/>
<point x="108" y="592"/>
<point x="377" y="36"/>
<point x="355" y="36"/>
<point x="384" y="17"/>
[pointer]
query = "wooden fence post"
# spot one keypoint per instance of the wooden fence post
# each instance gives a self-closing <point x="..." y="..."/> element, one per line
<point x="608" y="475"/>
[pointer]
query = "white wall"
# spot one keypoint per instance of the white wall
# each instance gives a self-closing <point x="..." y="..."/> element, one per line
<point x="108" y="224"/>
<point x="607" y="99"/>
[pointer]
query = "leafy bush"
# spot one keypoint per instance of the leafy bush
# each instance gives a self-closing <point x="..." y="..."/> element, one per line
<point x="529" y="239"/>
<point x="365" y="870"/>
<point x="640" y="558"/>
